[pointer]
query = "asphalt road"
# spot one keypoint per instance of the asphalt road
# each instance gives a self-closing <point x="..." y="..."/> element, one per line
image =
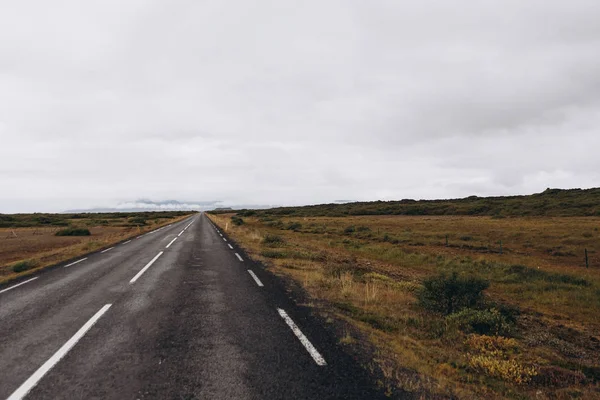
<point x="195" y="320"/>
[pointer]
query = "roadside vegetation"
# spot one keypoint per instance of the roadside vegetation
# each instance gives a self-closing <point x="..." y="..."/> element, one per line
<point x="29" y="242"/>
<point x="447" y="306"/>
<point x="551" y="202"/>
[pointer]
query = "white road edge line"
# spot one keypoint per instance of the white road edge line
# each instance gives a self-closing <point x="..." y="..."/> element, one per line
<point x="258" y="282"/>
<point x="76" y="262"/>
<point x="307" y="344"/>
<point x="224" y="239"/>
<point x="239" y="257"/>
<point x="33" y="380"/>
<point x="109" y="249"/>
<point x="169" y="245"/>
<point x="136" y="277"/>
<point x="126" y="242"/>
<point x="230" y="246"/>
<point x="18" y="284"/>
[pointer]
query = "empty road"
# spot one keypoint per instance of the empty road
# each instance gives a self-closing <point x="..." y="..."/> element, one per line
<point x="179" y="313"/>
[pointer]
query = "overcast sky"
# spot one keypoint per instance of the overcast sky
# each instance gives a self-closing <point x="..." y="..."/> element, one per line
<point x="294" y="102"/>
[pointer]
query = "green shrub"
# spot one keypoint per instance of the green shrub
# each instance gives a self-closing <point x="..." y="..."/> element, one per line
<point x="237" y="220"/>
<point x="246" y="213"/>
<point x="273" y="240"/>
<point x="137" y="221"/>
<point x="294" y="226"/>
<point x="450" y="294"/>
<point x="349" y="230"/>
<point x="23" y="265"/>
<point x="73" y="232"/>
<point x="482" y="322"/>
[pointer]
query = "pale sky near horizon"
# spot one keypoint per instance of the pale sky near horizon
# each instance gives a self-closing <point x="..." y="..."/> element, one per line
<point x="285" y="102"/>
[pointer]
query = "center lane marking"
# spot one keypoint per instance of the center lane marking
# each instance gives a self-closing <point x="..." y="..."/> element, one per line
<point x="18" y="284"/>
<point x="76" y="262"/>
<point x="258" y="282"/>
<point x="33" y="380"/>
<point x="136" y="277"/>
<point x="305" y="342"/>
<point x="169" y="245"/>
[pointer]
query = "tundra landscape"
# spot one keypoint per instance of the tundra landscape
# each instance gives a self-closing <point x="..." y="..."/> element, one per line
<point x="300" y="200"/>
<point x="486" y="300"/>
<point x="30" y="242"/>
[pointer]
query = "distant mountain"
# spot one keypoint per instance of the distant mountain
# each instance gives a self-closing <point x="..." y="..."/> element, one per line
<point x="165" y="205"/>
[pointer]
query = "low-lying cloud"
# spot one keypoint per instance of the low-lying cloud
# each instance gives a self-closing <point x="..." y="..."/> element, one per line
<point x="293" y="103"/>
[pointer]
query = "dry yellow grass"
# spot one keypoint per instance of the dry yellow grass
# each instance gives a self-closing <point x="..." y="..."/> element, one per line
<point x="42" y="248"/>
<point x="365" y="271"/>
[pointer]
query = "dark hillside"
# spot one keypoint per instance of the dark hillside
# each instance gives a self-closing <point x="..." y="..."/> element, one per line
<point x="551" y="202"/>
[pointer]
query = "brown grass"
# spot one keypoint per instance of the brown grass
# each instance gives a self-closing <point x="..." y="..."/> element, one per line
<point x="368" y="275"/>
<point x="42" y="248"/>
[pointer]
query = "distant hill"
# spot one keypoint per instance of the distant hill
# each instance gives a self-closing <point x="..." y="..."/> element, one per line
<point x="551" y="202"/>
<point x="143" y="205"/>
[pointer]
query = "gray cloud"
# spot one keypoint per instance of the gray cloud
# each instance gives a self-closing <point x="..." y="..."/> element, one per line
<point x="288" y="103"/>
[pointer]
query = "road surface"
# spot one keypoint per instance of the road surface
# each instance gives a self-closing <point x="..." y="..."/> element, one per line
<point x="179" y="313"/>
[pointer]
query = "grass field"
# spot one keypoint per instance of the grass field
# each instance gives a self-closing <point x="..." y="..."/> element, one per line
<point x="535" y="334"/>
<point x="29" y="242"/>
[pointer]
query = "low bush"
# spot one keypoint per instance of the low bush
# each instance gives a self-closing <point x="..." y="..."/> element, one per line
<point x="237" y="220"/>
<point x="498" y="357"/>
<point x="23" y="266"/>
<point x="137" y="221"/>
<point x="73" y="232"/>
<point x="482" y="322"/>
<point x="273" y="240"/>
<point x="294" y="226"/>
<point x="246" y="213"/>
<point x="349" y="230"/>
<point x="449" y="294"/>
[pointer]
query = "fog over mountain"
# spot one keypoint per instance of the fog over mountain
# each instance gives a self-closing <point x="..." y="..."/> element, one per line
<point x="167" y="205"/>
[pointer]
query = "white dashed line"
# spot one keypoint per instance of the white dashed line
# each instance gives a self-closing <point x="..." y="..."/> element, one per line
<point x="136" y="277"/>
<point x="109" y="249"/>
<point x="18" y="284"/>
<point x="224" y="239"/>
<point x="239" y="257"/>
<point x="76" y="262"/>
<point x="305" y="342"/>
<point x="169" y="245"/>
<point x="230" y="246"/>
<point x="181" y="233"/>
<point x="126" y="242"/>
<point x="33" y="380"/>
<point x="258" y="282"/>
